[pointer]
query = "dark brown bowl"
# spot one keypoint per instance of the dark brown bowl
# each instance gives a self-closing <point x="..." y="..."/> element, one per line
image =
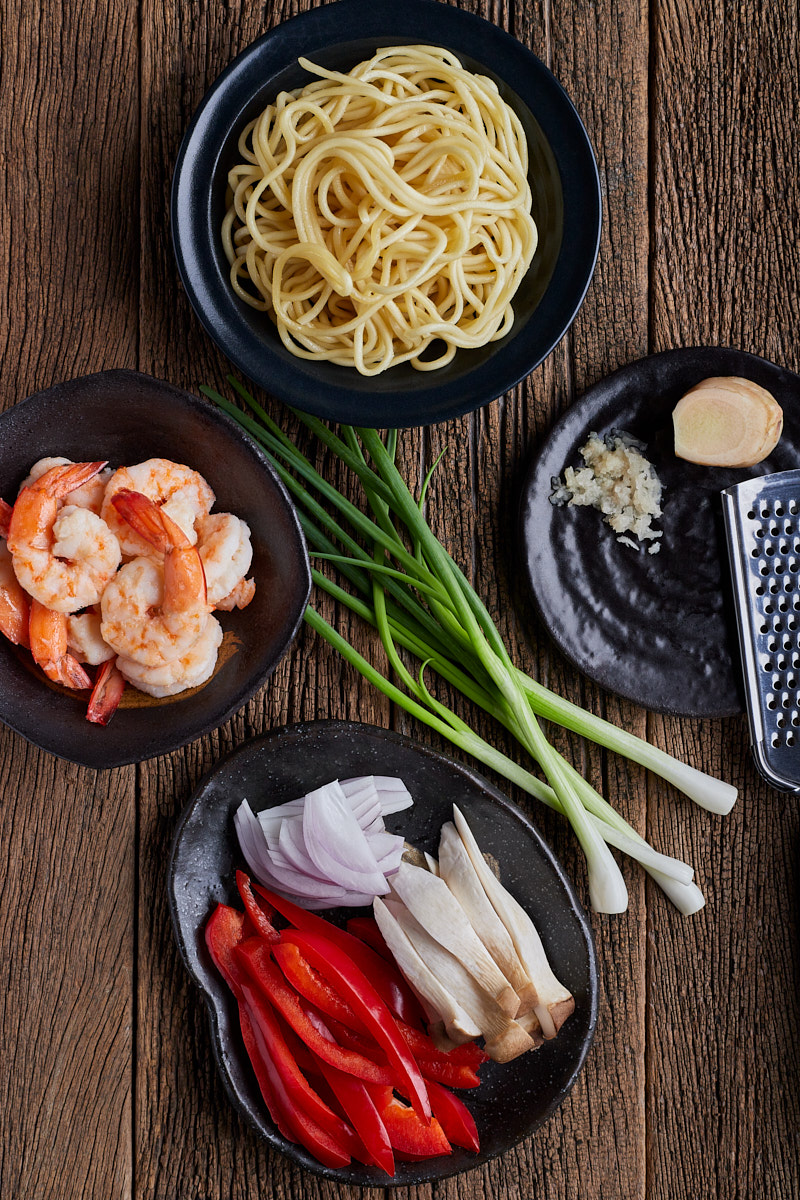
<point x="127" y="417"/>
<point x="513" y="1099"/>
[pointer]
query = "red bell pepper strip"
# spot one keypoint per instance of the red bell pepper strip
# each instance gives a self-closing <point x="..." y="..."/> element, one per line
<point x="256" y="1056"/>
<point x="224" y="932"/>
<point x="454" y="1074"/>
<point x="313" y="986"/>
<point x="423" y="1046"/>
<point x="340" y="970"/>
<point x="454" y="1117"/>
<point x="366" y="930"/>
<point x="284" y="1112"/>
<point x="385" y="978"/>
<point x="253" y="957"/>
<point x="225" y="929"/>
<point x="106" y="694"/>
<point x="310" y="984"/>
<point x="407" y="1133"/>
<point x="359" y="1106"/>
<point x="298" y="1089"/>
<point x="259" y="918"/>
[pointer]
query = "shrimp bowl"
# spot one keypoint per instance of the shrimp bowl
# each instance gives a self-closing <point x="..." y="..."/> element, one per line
<point x="152" y="566"/>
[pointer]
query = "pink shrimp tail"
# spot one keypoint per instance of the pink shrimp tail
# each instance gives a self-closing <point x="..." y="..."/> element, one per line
<point x="146" y="518"/>
<point x="60" y="481"/>
<point x="33" y="514"/>
<point x="14" y="612"/>
<point x="184" y="574"/>
<point x="48" y="634"/>
<point x="106" y="694"/>
<point x="5" y="518"/>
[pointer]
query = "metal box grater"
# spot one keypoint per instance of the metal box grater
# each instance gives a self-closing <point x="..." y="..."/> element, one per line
<point x="762" y="524"/>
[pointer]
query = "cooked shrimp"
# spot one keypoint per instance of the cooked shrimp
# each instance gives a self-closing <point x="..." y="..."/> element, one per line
<point x="190" y="670"/>
<point x="48" y="633"/>
<point x="5" y="518"/>
<point x="238" y="597"/>
<point x="85" y="640"/>
<point x="181" y="492"/>
<point x="90" y="495"/>
<point x="14" y="606"/>
<point x="224" y="544"/>
<point x="62" y="559"/>
<point x="154" y="613"/>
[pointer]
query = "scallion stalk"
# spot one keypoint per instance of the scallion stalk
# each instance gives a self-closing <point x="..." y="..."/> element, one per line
<point x="411" y="590"/>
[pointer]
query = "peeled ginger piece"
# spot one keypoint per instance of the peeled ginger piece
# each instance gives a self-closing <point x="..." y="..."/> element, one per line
<point x="727" y="422"/>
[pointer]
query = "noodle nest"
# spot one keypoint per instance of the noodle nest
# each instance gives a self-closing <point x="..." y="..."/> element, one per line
<point x="378" y="212"/>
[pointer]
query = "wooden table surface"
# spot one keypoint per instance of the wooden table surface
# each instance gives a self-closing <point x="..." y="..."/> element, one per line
<point x="108" y="1086"/>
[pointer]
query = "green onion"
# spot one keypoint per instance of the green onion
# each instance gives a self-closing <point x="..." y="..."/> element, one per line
<point x="405" y="584"/>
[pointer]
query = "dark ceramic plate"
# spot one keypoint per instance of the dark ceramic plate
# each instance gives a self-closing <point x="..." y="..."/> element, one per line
<point x="513" y="1099"/>
<point x="656" y="628"/>
<point x="566" y="207"/>
<point x="127" y="417"/>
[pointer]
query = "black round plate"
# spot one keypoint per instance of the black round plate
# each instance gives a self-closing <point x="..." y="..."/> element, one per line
<point x="512" y="1100"/>
<point x="566" y="207"/>
<point x="658" y="629"/>
<point x="126" y="418"/>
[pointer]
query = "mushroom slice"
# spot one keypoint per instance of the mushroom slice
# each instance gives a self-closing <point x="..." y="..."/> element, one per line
<point x="429" y="899"/>
<point x="505" y="1037"/>
<point x="554" y="1002"/>
<point x="438" y="1003"/>
<point x="458" y="872"/>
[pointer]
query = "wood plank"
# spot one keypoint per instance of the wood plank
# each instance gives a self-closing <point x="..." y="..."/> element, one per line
<point x="186" y="1128"/>
<point x="69" y="151"/>
<point x="490" y="452"/>
<point x="725" y="271"/>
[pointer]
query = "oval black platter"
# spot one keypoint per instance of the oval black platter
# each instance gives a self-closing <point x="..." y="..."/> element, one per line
<point x="513" y="1099"/>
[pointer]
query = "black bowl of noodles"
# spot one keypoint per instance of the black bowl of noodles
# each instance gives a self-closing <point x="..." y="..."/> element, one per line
<point x="128" y="418"/>
<point x="565" y="205"/>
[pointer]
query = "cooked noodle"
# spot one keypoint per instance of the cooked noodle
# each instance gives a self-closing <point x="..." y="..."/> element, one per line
<point x="378" y="211"/>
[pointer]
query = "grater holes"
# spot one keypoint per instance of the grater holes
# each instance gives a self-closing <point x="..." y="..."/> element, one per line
<point x="772" y="643"/>
<point x="789" y="738"/>
<point x="775" y="741"/>
<point x="786" y="702"/>
<point x="769" y="608"/>
<point x="783" y="604"/>
<point x="780" y="720"/>
<point x="759" y="590"/>
<point x="791" y="681"/>
<point x="779" y="509"/>
<point x="769" y="550"/>
<point x="792" y="507"/>
<point x="773" y="587"/>
<point x="795" y="718"/>
<point x="771" y="702"/>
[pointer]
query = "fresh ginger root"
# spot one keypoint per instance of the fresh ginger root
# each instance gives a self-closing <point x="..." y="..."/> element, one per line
<point x="727" y="422"/>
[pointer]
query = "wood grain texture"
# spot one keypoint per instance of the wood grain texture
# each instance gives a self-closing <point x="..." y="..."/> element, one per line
<point x="725" y="260"/>
<point x="107" y="1083"/>
<point x="68" y="198"/>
